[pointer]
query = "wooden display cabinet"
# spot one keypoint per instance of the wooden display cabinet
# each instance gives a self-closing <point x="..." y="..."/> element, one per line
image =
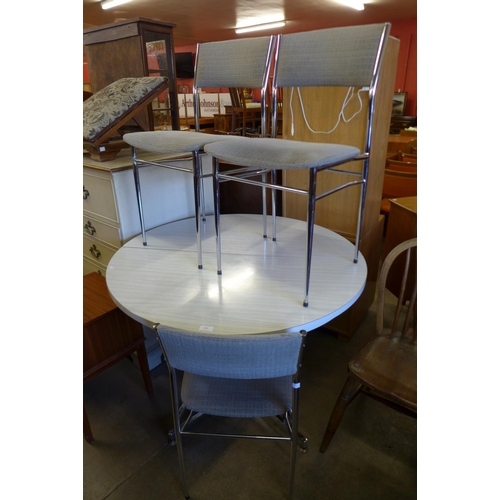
<point x="135" y="48"/>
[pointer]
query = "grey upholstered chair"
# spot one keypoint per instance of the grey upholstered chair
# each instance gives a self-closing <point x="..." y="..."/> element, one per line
<point x="345" y="57"/>
<point x="248" y="376"/>
<point x="232" y="63"/>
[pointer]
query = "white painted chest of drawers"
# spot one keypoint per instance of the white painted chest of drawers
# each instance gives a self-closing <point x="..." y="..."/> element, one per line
<point x="110" y="212"/>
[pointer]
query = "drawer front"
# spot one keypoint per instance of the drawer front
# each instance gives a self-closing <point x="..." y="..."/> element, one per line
<point x="102" y="231"/>
<point x="97" y="251"/>
<point x="98" y="196"/>
<point x="90" y="266"/>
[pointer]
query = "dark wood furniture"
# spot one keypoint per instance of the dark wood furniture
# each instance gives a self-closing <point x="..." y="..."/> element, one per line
<point x="134" y="48"/>
<point x="397" y="184"/>
<point x="401" y="143"/>
<point x="223" y="122"/>
<point x="399" y="123"/>
<point x="244" y="116"/>
<point x="386" y="368"/>
<point x="109" y="335"/>
<point x="206" y="124"/>
<point x="402" y="226"/>
<point x="401" y="162"/>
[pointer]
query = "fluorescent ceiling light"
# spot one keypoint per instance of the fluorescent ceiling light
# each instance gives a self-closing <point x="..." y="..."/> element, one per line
<point x="257" y="27"/>
<point x="109" y="4"/>
<point x="354" y="4"/>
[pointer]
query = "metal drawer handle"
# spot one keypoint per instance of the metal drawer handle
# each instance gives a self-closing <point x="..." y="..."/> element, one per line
<point x="95" y="252"/>
<point x="86" y="193"/>
<point x="89" y="228"/>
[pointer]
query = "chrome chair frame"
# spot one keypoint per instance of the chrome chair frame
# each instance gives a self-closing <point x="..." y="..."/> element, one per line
<point x="289" y="418"/>
<point x="244" y="63"/>
<point x="291" y="47"/>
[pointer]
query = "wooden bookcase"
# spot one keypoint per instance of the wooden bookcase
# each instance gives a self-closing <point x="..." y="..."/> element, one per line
<point x="339" y="211"/>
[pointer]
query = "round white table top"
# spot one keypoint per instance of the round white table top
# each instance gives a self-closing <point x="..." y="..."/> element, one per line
<point x="262" y="285"/>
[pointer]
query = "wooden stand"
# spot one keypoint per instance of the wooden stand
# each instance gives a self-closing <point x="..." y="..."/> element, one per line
<point x="120" y="50"/>
<point x="339" y="212"/>
<point x="109" y="335"/>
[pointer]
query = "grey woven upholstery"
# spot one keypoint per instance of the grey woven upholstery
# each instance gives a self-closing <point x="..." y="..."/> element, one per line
<point x="243" y="376"/>
<point x="232" y="63"/>
<point x="345" y="57"/>
<point x="342" y="57"/>
<point x="172" y="141"/>
<point x="237" y="397"/>
<point x="232" y="356"/>
<point x="281" y="154"/>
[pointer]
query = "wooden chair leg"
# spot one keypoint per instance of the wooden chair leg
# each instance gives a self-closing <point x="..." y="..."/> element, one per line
<point x="143" y="363"/>
<point x="349" y="392"/>
<point x="87" y="431"/>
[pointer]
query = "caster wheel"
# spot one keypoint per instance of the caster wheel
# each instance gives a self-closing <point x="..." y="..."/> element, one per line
<point x="303" y="445"/>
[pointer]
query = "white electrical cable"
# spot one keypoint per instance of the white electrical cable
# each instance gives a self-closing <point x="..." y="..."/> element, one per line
<point x="347" y="99"/>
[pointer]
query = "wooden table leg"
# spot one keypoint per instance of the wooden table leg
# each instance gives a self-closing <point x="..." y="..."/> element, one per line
<point x="87" y="431"/>
<point x="143" y="363"/>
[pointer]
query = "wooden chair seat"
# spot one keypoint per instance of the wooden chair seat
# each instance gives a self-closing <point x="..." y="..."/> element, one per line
<point x="388" y="366"/>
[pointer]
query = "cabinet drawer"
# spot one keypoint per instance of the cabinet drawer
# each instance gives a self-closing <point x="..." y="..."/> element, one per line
<point x="98" y="196"/>
<point x="97" y="251"/>
<point x="101" y="231"/>
<point x="90" y="266"/>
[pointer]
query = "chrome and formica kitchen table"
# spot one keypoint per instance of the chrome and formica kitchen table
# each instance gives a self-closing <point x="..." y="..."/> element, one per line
<point x="262" y="283"/>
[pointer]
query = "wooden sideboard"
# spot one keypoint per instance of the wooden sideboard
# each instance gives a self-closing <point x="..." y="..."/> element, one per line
<point x="403" y="143"/>
<point x="111" y="216"/>
<point x="339" y="212"/>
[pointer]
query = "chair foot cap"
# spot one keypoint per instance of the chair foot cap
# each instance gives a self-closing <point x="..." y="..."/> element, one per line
<point x="219" y="273"/>
<point x="200" y="267"/>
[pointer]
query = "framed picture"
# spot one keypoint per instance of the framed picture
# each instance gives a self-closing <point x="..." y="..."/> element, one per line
<point x="399" y="103"/>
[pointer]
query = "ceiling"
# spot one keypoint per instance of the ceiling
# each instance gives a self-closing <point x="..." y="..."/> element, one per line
<point x="212" y="20"/>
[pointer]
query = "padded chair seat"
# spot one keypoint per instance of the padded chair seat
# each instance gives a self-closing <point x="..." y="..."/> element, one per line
<point x="113" y="103"/>
<point x="280" y="153"/>
<point x="237" y="398"/>
<point x="171" y="141"/>
<point x="389" y="360"/>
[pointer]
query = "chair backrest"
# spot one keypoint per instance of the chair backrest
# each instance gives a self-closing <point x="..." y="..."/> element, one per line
<point x="404" y="322"/>
<point x="244" y="63"/>
<point x="231" y="356"/>
<point x="345" y="57"/>
<point x="399" y="184"/>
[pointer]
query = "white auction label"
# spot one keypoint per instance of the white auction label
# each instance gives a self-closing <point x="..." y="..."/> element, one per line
<point x="206" y="328"/>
